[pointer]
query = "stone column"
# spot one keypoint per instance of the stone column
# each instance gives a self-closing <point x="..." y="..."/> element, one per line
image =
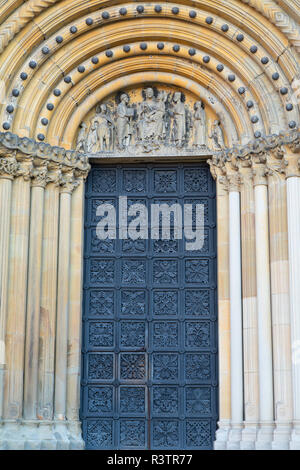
<point x="12" y="436"/>
<point x="75" y="318"/>
<point x="282" y="361"/>
<point x="265" y="433"/>
<point x="48" y="310"/>
<point x="236" y="335"/>
<point x="250" y="339"/>
<point x="8" y="169"/>
<point x="293" y="210"/>
<point x="34" y="295"/>
<point x="223" y="311"/>
<point x="62" y="322"/>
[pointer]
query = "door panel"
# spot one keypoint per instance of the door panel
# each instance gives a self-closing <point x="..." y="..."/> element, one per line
<point x="149" y="362"/>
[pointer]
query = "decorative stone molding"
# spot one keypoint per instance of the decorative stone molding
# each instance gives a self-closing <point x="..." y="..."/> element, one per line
<point x="25" y="146"/>
<point x="266" y="155"/>
<point x="19" y="19"/>
<point x="40" y="162"/>
<point x="292" y="141"/>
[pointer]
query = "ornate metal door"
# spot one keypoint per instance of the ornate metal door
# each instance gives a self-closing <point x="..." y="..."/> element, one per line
<point x="149" y="362"/>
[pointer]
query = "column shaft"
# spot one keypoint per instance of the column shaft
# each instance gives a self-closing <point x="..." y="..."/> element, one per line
<point x="62" y="306"/>
<point x="33" y="304"/>
<point x="17" y="288"/>
<point x="223" y="316"/>
<point x="251" y="389"/>
<point x="282" y="361"/>
<point x="265" y="434"/>
<point x="48" y="303"/>
<point x="75" y="316"/>
<point x="235" y="321"/>
<point x="293" y="200"/>
<point x="5" y="208"/>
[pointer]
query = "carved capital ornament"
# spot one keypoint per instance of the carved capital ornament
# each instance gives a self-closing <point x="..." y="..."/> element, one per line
<point x="267" y="156"/>
<point x="40" y="163"/>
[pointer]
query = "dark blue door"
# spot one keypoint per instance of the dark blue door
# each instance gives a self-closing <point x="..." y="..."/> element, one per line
<point x="149" y="363"/>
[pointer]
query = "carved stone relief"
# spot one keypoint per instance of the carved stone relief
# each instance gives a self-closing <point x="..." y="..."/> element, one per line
<point x="153" y="119"/>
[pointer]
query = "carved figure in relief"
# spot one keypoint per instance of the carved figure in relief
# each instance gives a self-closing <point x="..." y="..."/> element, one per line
<point x="217" y="136"/>
<point x="163" y="98"/>
<point x="125" y="115"/>
<point x="149" y="116"/>
<point x="92" y="138"/>
<point x="81" y="139"/>
<point x="161" y="120"/>
<point x="200" y="128"/>
<point x="104" y="128"/>
<point x="189" y="122"/>
<point x="177" y="112"/>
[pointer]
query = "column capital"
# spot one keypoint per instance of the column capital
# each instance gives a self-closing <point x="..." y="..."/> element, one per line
<point x="276" y="164"/>
<point x="292" y="142"/>
<point x="25" y="169"/>
<point x="40" y="176"/>
<point x="9" y="166"/>
<point x="224" y="168"/>
<point x="283" y="154"/>
<point x="231" y="168"/>
<point x="26" y="148"/>
<point x="234" y="182"/>
<point x="246" y="172"/>
<point x="55" y="175"/>
<point x="68" y="182"/>
<point x="222" y="182"/>
<point x="269" y="155"/>
<point x="259" y="172"/>
<point x="251" y="162"/>
<point x="44" y="173"/>
<point x="216" y="164"/>
<point x="291" y="163"/>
